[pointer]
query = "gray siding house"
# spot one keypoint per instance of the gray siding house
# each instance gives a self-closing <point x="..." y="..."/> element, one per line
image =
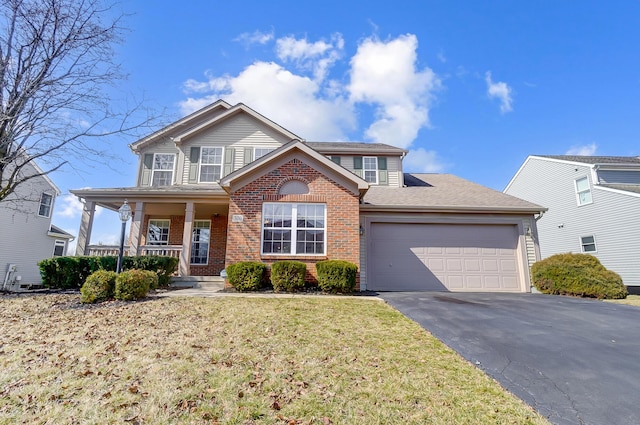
<point x="27" y="233"/>
<point x="594" y="207"/>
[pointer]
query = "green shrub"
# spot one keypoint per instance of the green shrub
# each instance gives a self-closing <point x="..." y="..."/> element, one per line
<point x="336" y="276"/>
<point x="134" y="284"/>
<point x="577" y="274"/>
<point x="98" y="287"/>
<point x="288" y="276"/>
<point x="246" y="275"/>
<point x="72" y="272"/>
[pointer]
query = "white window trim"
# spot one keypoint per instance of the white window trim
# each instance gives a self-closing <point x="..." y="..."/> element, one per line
<point x="200" y="163"/>
<point x="149" y="228"/>
<point x="582" y="244"/>
<point x="206" y="263"/>
<point x="50" y="205"/>
<point x="294" y="217"/>
<point x="365" y="169"/>
<point x="153" y="168"/>
<point x="575" y="184"/>
<point x="255" y="149"/>
<point x="62" y="243"/>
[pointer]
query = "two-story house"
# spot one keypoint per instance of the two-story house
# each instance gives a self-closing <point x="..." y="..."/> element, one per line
<point x="27" y="232"/>
<point x="594" y="207"/>
<point x="226" y="184"/>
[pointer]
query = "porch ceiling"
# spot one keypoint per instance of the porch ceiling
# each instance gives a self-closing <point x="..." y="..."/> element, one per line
<point x="201" y="210"/>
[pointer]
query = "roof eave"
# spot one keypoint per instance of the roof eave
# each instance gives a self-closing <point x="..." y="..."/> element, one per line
<point x="452" y="209"/>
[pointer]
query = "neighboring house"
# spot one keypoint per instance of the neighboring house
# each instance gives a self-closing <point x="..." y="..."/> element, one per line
<point x="225" y="184"/>
<point x="28" y="235"/>
<point x="594" y="206"/>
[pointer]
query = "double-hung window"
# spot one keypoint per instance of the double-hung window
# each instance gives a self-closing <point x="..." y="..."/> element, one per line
<point x="162" y="171"/>
<point x="210" y="164"/>
<point x="200" y="242"/>
<point x="260" y="152"/>
<point x="59" y="248"/>
<point x="370" y="169"/>
<point x="588" y="244"/>
<point x="583" y="191"/>
<point x="295" y="229"/>
<point x="158" y="232"/>
<point x="46" y="200"/>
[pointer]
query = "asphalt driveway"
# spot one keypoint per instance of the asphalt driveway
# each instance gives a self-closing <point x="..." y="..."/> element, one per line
<point x="576" y="361"/>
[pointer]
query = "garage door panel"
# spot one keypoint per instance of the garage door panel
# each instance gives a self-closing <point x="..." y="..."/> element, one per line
<point x="404" y="257"/>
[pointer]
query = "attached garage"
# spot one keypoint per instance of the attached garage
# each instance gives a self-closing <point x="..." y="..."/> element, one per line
<point x="443" y="257"/>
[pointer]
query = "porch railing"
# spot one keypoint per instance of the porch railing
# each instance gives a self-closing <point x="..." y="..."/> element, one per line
<point x="165" y="250"/>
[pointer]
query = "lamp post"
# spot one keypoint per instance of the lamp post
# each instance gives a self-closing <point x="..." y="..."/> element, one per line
<point x="125" y="215"/>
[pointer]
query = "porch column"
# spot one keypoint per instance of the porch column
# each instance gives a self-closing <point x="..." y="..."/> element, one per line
<point x="86" y="224"/>
<point x="185" y="254"/>
<point x="135" y="233"/>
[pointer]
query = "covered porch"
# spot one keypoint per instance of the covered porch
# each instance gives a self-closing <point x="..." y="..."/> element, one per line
<point x="187" y="224"/>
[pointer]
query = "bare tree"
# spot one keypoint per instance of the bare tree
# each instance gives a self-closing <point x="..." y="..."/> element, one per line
<point x="57" y="74"/>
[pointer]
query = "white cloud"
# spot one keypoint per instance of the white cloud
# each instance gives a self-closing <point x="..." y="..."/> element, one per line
<point x="586" y="150"/>
<point x="69" y="206"/>
<point x="318" y="56"/>
<point x="293" y="101"/>
<point x="256" y="37"/>
<point x="423" y="161"/>
<point x="384" y="74"/>
<point x="501" y="91"/>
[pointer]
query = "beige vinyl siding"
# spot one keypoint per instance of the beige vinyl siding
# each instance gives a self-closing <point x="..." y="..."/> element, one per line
<point x="530" y="243"/>
<point x="24" y="234"/>
<point x="394" y="167"/>
<point x="612" y="217"/>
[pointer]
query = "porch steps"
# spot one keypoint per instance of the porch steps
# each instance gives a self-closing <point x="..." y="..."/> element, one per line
<point x="212" y="283"/>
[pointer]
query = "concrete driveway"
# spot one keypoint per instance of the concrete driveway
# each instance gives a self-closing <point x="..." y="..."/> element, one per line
<point x="575" y="361"/>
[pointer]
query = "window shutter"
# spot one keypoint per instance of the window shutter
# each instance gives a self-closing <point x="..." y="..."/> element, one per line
<point x="335" y="159"/>
<point x="194" y="158"/>
<point x="383" y="174"/>
<point x="229" y="154"/>
<point x="147" y="164"/>
<point x="357" y="166"/>
<point x="248" y="155"/>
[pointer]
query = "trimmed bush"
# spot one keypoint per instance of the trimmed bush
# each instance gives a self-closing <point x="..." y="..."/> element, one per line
<point x="72" y="272"/>
<point x="246" y="275"/>
<point x="98" y="287"/>
<point x="288" y="276"/>
<point x="577" y="274"/>
<point x="337" y="276"/>
<point x="134" y="284"/>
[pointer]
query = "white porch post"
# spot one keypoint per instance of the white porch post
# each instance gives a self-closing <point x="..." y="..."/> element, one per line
<point x="86" y="224"/>
<point x="185" y="254"/>
<point x="135" y="233"/>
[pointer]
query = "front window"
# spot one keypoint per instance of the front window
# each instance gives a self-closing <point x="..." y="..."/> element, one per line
<point x="158" y="233"/>
<point x="293" y="229"/>
<point x="58" y="248"/>
<point x="260" y="152"/>
<point x="200" y="242"/>
<point x="210" y="164"/>
<point x="583" y="191"/>
<point x="163" y="169"/>
<point x="370" y="164"/>
<point x="588" y="244"/>
<point x="45" y="205"/>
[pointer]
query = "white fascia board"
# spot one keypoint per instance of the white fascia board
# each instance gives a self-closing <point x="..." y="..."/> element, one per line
<point x="620" y="191"/>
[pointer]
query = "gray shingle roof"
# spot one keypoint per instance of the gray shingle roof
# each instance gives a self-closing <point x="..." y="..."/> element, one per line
<point x="445" y="191"/>
<point x="328" y="148"/>
<point x="596" y="159"/>
<point x="635" y="188"/>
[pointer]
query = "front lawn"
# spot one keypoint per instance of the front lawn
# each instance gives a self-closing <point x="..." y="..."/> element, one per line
<point x="235" y="361"/>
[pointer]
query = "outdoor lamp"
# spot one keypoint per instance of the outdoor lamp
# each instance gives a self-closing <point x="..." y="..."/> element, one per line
<point x="125" y="215"/>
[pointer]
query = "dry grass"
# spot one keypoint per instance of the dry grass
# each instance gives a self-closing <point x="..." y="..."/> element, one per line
<point x="235" y="361"/>
<point x="630" y="300"/>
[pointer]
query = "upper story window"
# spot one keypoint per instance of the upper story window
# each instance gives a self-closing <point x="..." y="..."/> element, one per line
<point x="162" y="171"/>
<point x="158" y="232"/>
<point x="583" y="191"/>
<point x="588" y="244"/>
<point x="210" y="164"/>
<point x="46" y="200"/>
<point x="296" y="229"/>
<point x="260" y="152"/>
<point x="370" y="166"/>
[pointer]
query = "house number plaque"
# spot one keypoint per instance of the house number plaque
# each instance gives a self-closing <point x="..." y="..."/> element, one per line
<point x="237" y="218"/>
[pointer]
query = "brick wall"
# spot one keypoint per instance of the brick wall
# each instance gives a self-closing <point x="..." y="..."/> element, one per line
<point x="342" y="227"/>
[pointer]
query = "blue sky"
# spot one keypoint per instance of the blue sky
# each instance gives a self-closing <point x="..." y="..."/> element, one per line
<point x="469" y="88"/>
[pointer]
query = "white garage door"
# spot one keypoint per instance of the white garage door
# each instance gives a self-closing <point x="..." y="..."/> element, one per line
<point x="442" y="257"/>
